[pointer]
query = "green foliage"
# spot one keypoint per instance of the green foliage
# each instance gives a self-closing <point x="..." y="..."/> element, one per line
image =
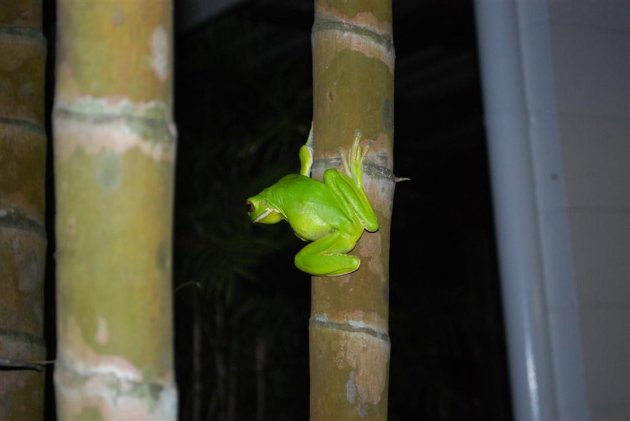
<point x="240" y="131"/>
<point x="240" y="128"/>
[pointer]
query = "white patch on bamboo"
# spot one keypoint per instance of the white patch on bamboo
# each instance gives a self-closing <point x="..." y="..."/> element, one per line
<point x="80" y="358"/>
<point x="369" y="358"/>
<point x="360" y="324"/>
<point x="322" y="318"/>
<point x="113" y="401"/>
<point x="351" y="395"/>
<point x="108" y="384"/>
<point x="365" y="353"/>
<point x="345" y="39"/>
<point x="358" y="320"/>
<point x="160" y="53"/>
<point x="78" y="130"/>
<point x="372" y="321"/>
<point x="366" y="20"/>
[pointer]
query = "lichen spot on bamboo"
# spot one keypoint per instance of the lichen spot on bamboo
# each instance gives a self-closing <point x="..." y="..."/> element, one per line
<point x="102" y="332"/>
<point x="109" y="171"/>
<point x="368" y="357"/>
<point x="352" y="393"/>
<point x="119" y="17"/>
<point x="163" y="257"/>
<point x="30" y="274"/>
<point x="159" y="53"/>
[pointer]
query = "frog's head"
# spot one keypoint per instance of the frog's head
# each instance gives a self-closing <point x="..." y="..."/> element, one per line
<point x="260" y="210"/>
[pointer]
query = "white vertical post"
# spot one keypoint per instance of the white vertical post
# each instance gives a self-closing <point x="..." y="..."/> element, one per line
<point x="515" y="205"/>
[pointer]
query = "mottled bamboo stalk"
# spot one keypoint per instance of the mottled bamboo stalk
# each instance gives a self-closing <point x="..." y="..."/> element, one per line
<point x="22" y="210"/>
<point x="114" y="159"/>
<point x="353" y="73"/>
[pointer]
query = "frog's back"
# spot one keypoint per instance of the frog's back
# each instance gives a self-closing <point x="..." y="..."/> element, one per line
<point x="309" y="206"/>
<point x="293" y="185"/>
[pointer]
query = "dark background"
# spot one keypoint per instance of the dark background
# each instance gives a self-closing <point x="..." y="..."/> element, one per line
<point x="243" y="108"/>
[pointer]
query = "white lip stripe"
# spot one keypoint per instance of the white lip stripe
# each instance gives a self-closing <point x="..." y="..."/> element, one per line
<point x="263" y="215"/>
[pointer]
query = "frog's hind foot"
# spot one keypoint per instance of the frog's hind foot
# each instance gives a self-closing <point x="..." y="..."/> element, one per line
<point x="354" y="168"/>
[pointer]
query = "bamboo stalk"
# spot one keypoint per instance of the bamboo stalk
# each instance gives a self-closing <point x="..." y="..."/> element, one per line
<point x="353" y="70"/>
<point x="22" y="210"/>
<point x="114" y="159"/>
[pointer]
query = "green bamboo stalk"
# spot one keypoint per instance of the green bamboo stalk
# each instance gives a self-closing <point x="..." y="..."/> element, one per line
<point x="114" y="159"/>
<point x="353" y="72"/>
<point x="22" y="210"/>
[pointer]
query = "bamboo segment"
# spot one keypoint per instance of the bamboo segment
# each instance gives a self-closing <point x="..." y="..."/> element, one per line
<point x="353" y="71"/>
<point x="114" y="162"/>
<point x="22" y="213"/>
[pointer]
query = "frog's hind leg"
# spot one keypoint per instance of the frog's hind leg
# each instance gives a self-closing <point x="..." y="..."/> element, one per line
<point x="327" y="256"/>
<point x="352" y="197"/>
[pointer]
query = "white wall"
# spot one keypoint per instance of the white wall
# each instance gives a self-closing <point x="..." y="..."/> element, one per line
<point x="558" y="129"/>
<point x="591" y="57"/>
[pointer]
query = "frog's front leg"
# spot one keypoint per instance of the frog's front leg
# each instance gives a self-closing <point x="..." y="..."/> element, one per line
<point x="327" y="255"/>
<point x="306" y="155"/>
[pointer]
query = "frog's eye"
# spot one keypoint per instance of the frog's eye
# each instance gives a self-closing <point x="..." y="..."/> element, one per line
<point x="250" y="207"/>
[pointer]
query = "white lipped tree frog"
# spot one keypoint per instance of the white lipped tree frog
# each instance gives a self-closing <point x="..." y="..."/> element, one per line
<point x="332" y="214"/>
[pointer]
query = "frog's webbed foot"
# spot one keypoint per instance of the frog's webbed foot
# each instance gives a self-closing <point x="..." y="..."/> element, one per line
<point x="354" y="168"/>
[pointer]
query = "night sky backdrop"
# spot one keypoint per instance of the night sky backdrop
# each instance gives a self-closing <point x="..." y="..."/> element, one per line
<point x="243" y="108"/>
